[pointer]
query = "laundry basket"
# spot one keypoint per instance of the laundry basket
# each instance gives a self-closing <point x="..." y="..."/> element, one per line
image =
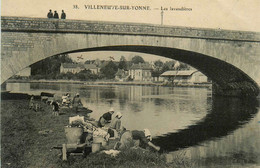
<point x="73" y="134"/>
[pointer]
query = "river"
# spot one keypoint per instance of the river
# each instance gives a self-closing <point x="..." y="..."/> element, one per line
<point x="189" y="119"/>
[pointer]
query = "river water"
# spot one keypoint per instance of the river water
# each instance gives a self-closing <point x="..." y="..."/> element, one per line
<point x="189" y="119"/>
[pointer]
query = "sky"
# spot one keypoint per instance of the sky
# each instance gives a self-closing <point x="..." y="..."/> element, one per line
<point x="240" y="15"/>
<point x="105" y="55"/>
<point x="223" y="14"/>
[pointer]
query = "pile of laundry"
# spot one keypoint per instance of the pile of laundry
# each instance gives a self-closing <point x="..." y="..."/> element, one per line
<point x="99" y="132"/>
<point x="89" y="127"/>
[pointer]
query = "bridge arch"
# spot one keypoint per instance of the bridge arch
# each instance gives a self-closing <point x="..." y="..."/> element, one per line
<point x="228" y="80"/>
<point x="230" y="58"/>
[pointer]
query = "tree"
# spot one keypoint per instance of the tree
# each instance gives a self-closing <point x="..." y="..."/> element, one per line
<point x="170" y="64"/>
<point x="89" y="61"/>
<point x="122" y="64"/>
<point x="165" y="68"/>
<point x="184" y="66"/>
<point x="155" y="73"/>
<point x="122" y="58"/>
<point x="50" y="67"/>
<point x="69" y="75"/>
<point x="61" y="76"/>
<point x="137" y="59"/>
<point x="109" y="70"/>
<point x="81" y="76"/>
<point x="64" y="58"/>
<point x="158" y="63"/>
<point x="86" y="75"/>
<point x="160" y="68"/>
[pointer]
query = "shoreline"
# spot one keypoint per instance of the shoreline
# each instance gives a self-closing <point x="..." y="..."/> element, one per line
<point x="134" y="83"/>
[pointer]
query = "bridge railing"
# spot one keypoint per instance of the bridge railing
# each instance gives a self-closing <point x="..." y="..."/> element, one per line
<point x="81" y="26"/>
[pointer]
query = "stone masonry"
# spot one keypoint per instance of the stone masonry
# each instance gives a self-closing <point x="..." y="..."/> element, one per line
<point x="230" y="58"/>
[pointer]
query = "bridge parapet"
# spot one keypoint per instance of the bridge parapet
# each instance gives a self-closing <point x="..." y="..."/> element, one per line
<point x="79" y="26"/>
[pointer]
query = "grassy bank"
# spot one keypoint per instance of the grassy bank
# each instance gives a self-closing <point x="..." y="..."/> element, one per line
<point x="28" y="138"/>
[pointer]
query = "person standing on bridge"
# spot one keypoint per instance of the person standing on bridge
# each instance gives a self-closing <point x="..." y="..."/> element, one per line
<point x="56" y="15"/>
<point x="50" y="14"/>
<point x="63" y="15"/>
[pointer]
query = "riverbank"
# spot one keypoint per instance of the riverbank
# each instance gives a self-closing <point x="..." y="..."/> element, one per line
<point x="112" y="82"/>
<point x="24" y="145"/>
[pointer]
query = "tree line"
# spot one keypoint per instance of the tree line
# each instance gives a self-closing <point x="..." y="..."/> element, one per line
<point x="49" y="68"/>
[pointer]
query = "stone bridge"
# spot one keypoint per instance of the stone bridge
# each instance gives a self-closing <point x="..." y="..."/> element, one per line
<point x="230" y="58"/>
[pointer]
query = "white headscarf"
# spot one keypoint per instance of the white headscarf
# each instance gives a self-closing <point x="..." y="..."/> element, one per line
<point x="118" y="114"/>
<point x="147" y="133"/>
<point x="111" y="109"/>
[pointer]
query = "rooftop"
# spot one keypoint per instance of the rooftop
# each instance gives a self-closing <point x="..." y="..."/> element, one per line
<point x="81" y="66"/>
<point x="178" y="73"/>
<point x="143" y="66"/>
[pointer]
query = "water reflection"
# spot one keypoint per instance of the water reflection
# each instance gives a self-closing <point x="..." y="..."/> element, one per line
<point x="161" y="109"/>
<point x="50" y="86"/>
<point x="179" y="117"/>
<point x="17" y="87"/>
<point x="226" y="115"/>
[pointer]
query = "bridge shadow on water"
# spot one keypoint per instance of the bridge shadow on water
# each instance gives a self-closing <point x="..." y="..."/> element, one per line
<point x="225" y="116"/>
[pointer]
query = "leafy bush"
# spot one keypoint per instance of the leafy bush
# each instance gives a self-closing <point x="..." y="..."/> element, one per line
<point x="109" y="70"/>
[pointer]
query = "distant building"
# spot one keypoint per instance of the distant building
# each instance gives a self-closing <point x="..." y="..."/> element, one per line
<point x="189" y="76"/>
<point x="76" y="68"/>
<point x="68" y="67"/>
<point x="141" y="72"/>
<point x="92" y="67"/>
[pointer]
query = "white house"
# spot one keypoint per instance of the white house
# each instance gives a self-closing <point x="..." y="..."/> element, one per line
<point x="141" y="72"/>
<point x="76" y="68"/>
<point x="92" y="67"/>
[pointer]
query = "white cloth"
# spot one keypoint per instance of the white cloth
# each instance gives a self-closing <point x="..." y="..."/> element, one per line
<point x="76" y="118"/>
<point x="112" y="152"/>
